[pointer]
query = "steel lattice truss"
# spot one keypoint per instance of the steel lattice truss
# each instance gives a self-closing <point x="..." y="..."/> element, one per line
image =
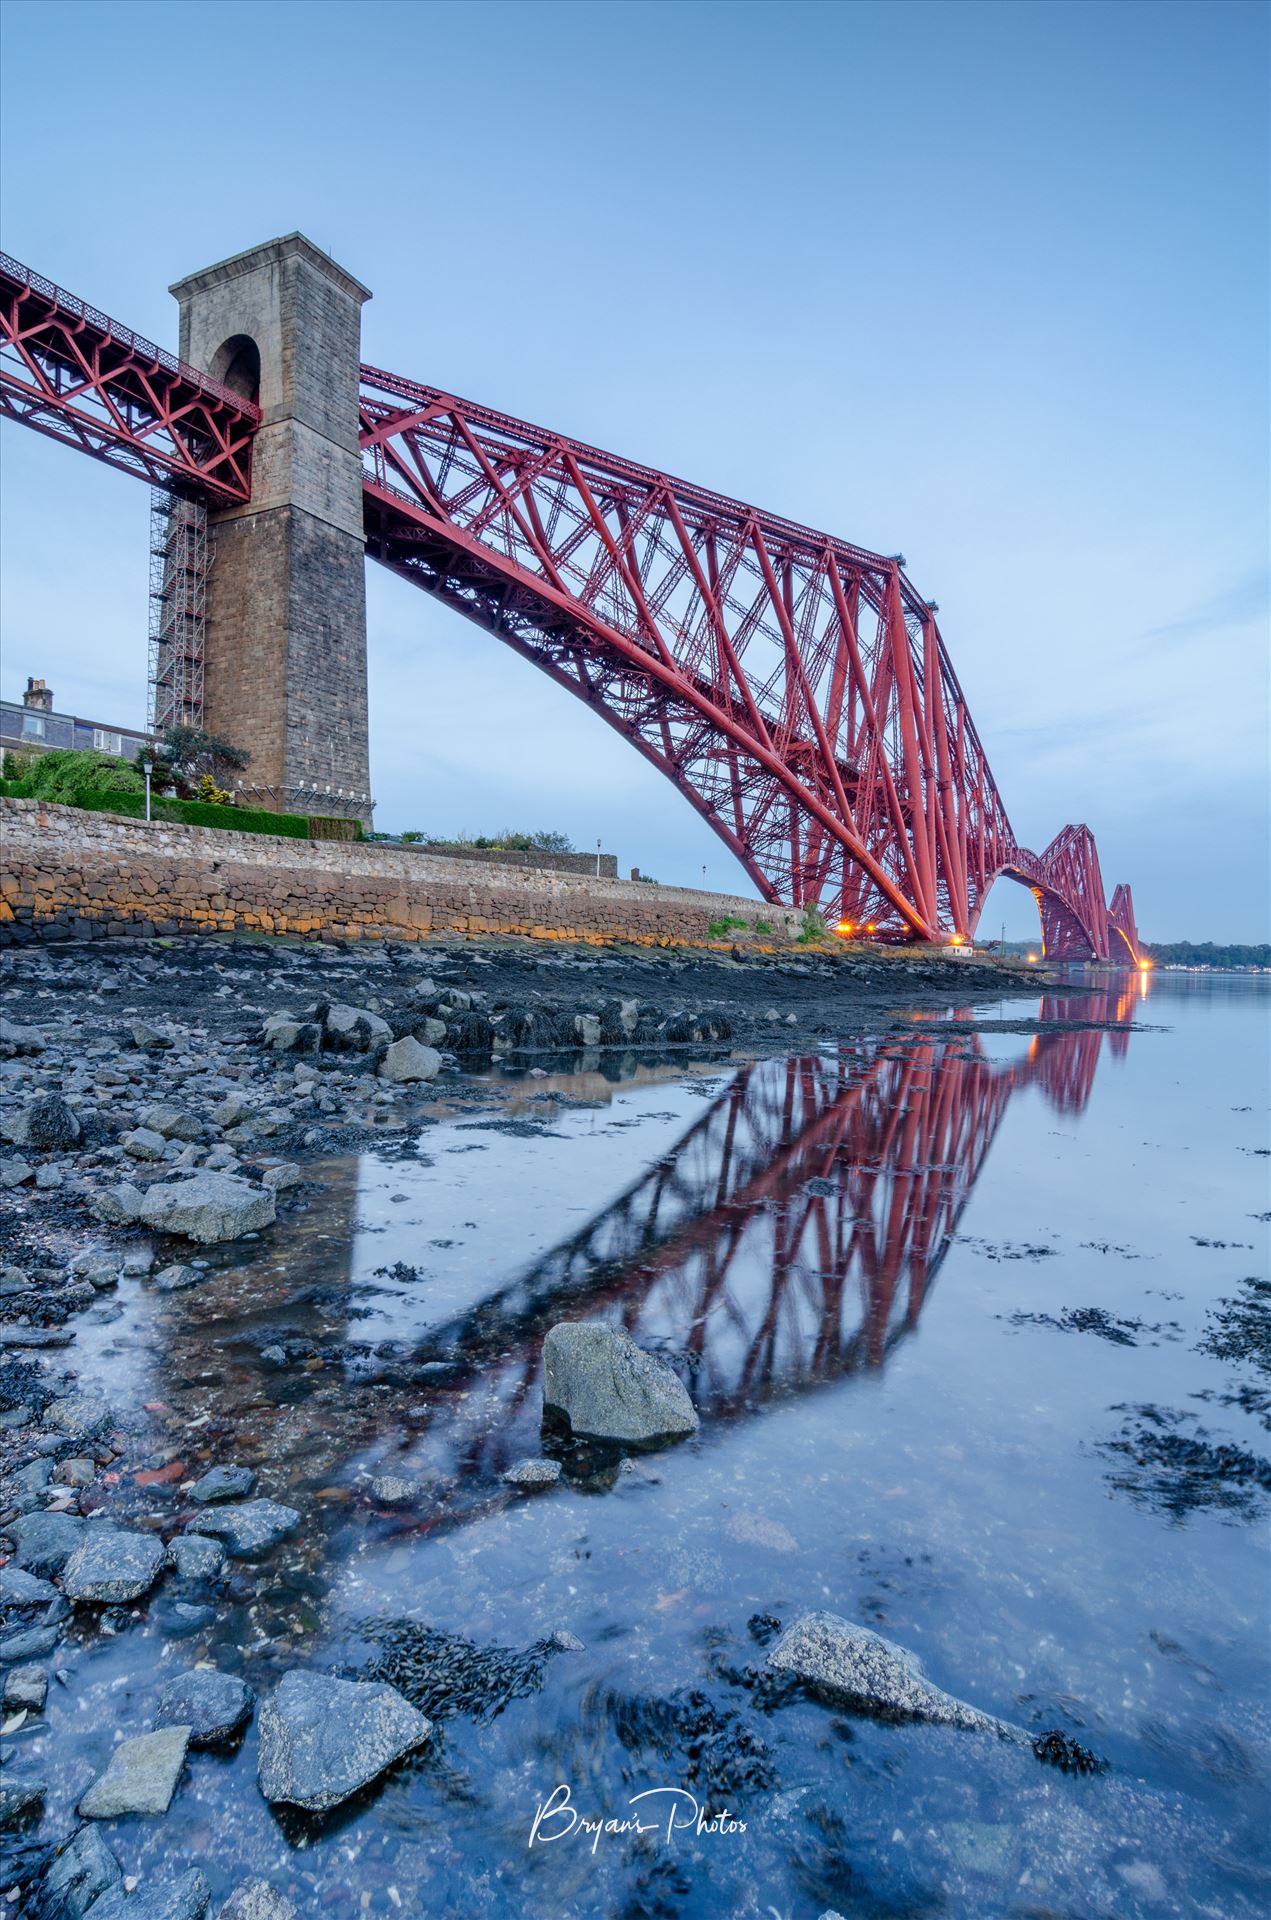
<point x="796" y="689"/>
<point x="78" y="376"/>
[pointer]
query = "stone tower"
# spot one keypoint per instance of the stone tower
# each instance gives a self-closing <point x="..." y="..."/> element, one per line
<point x="285" y="649"/>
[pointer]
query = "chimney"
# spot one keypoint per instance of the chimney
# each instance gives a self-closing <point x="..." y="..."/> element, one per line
<point x="37" y="695"/>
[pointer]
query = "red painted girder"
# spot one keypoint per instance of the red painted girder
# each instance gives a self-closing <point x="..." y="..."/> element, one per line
<point x="795" y="687"/>
<point x="78" y="376"/>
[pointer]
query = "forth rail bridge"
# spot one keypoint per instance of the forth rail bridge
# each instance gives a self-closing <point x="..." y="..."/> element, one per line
<point x="794" y="687"/>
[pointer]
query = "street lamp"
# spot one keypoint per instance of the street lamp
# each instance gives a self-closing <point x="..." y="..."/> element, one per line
<point x="147" y="768"/>
<point x="597" y="859"/>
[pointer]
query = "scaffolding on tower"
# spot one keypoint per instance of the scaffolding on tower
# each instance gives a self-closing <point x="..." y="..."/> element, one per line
<point x="179" y="560"/>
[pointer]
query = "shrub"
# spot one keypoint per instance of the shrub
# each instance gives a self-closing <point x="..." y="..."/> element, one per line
<point x="64" y="772"/>
<point x="812" y="929"/>
<point x="18" y="762"/>
<point x="206" y="789"/>
<point x="188" y="755"/>
<point x="720" y="929"/>
<point x="762" y="926"/>
<point x="195" y="813"/>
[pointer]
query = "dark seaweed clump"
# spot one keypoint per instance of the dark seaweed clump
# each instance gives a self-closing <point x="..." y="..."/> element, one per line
<point x="1241" y="1329"/>
<point x="22" y="1384"/>
<point x="1060" y="1750"/>
<point x="444" y="1673"/>
<point x="1176" y="1474"/>
<point x="712" y="1748"/>
<point x="1090" y="1320"/>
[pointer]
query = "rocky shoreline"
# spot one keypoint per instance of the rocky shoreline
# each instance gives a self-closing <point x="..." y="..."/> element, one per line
<point x="158" y="1098"/>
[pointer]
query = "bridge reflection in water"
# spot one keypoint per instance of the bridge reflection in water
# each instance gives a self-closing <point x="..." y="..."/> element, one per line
<point x="789" y="1238"/>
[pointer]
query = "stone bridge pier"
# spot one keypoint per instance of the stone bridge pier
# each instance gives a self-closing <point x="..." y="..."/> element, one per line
<point x="285" y="645"/>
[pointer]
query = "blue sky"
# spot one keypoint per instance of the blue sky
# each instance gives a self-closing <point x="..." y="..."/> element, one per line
<point x="983" y="283"/>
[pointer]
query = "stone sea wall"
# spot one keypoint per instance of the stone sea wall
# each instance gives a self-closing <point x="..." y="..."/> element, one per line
<point x="68" y="874"/>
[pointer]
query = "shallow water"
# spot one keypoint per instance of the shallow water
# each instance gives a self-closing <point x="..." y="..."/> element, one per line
<point x="940" y="1304"/>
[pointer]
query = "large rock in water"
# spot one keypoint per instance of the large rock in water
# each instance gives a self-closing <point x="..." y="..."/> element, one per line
<point x="141" y="1776"/>
<point x="321" y="1739"/>
<point x="256" y="1900"/>
<point x="185" y="1898"/>
<point x="110" y="1565"/>
<point x="856" y="1664"/>
<point x="83" y="1871"/>
<point x="209" y="1207"/>
<point x="250" y="1528"/>
<point x="212" y="1705"/>
<point x="610" y="1388"/>
<point x="44" y="1542"/>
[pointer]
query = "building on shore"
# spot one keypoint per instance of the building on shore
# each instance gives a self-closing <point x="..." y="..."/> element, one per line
<point x="33" y="724"/>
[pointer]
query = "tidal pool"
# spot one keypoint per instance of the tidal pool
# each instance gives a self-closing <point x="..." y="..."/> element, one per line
<point x="972" y="1323"/>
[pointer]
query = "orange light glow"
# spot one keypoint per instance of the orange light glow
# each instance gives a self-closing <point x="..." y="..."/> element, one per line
<point x="1032" y="959"/>
<point x="870" y="928"/>
<point x="955" y="940"/>
<point x="1145" y="966"/>
<point x="845" y="926"/>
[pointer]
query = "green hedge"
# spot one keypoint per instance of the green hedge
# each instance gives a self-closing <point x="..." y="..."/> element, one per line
<point x="190" y="813"/>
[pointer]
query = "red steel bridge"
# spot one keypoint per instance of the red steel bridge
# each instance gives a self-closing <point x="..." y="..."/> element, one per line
<point x="795" y="688"/>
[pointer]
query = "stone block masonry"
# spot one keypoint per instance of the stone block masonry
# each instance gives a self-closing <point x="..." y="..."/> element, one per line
<point x="285" y="672"/>
<point x="68" y="874"/>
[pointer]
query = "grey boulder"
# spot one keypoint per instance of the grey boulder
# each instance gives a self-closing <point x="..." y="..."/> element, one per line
<point x="407" y="1060"/>
<point x="21" y="1590"/>
<point x="836" y="1655"/>
<point x="249" y="1529"/>
<point x="176" y="1278"/>
<point x="119" y="1206"/>
<point x="174" y="1123"/>
<point x="223" y="1483"/>
<point x="83" y="1871"/>
<point x="18" y="1039"/>
<point x="609" y="1387"/>
<point x="141" y="1776"/>
<point x="354" y="1029"/>
<point x="209" y="1207"/>
<point x="147" y="1038"/>
<point x="256" y="1900"/>
<point x="321" y="1739"/>
<point x="184" y="1898"/>
<point x="195" y="1558"/>
<point x="46" y="1123"/>
<point x="44" y="1542"/>
<point x="18" y="1798"/>
<point x="84" y="1416"/>
<point x="394" y="1490"/>
<point x="110" y="1565"/>
<point x="533" y="1473"/>
<point x="212" y="1705"/>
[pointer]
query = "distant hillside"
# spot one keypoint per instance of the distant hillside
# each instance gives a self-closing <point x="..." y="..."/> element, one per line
<point x="1206" y="953"/>
<point x="1171" y="953"/>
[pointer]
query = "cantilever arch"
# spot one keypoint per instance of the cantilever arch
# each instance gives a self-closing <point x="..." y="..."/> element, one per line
<point x="285" y="648"/>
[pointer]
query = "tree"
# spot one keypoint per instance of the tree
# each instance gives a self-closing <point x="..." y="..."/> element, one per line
<point x="189" y="755"/>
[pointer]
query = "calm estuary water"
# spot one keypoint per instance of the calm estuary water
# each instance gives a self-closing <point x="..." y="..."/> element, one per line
<point x="973" y="1326"/>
